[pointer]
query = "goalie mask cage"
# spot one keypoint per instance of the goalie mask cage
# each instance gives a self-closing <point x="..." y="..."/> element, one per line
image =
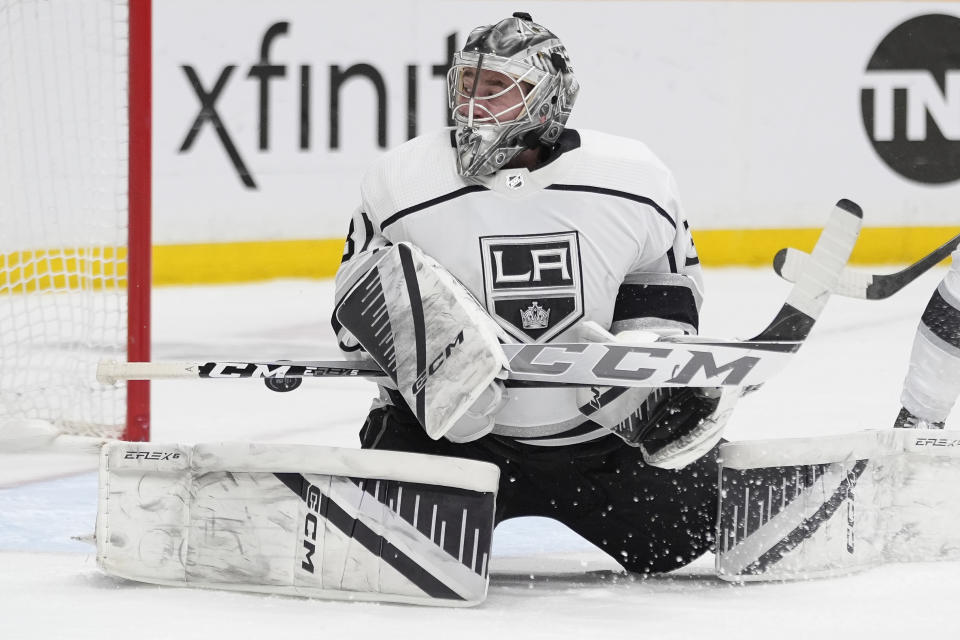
<point x="74" y="212"/>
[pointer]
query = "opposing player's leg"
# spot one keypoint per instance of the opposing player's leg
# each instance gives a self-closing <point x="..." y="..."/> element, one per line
<point x="932" y="382"/>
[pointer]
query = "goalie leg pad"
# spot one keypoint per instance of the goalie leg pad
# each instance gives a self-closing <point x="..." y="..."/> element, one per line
<point x="814" y="507"/>
<point x="298" y="520"/>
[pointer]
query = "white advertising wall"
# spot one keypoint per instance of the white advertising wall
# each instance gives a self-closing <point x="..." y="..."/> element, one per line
<point x="266" y="113"/>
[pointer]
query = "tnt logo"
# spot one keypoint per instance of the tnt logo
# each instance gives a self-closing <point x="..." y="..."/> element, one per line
<point x="532" y="283"/>
<point x="910" y="99"/>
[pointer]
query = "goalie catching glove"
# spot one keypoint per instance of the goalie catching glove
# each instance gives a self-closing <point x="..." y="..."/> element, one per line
<point x="433" y="339"/>
<point x="683" y="427"/>
<point x="672" y="426"/>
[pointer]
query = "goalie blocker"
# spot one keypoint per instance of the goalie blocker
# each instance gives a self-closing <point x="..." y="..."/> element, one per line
<point x="432" y="338"/>
<point x="298" y="520"/>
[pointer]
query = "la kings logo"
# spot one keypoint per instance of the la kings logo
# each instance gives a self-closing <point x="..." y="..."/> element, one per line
<point x="533" y="284"/>
<point x="910" y="100"/>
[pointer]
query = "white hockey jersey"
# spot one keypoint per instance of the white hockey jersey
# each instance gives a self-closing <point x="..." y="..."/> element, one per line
<point x="597" y="233"/>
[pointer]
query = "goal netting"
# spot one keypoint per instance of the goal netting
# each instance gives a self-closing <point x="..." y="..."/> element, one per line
<point x="64" y="212"/>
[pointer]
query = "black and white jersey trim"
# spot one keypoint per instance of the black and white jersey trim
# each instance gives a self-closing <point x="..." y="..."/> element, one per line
<point x="618" y="194"/>
<point x="368" y="229"/>
<point x="657" y="297"/>
<point x="350" y="246"/>
<point x="574" y="426"/>
<point x="565" y="440"/>
<point x="432" y="202"/>
<point x="554" y="187"/>
<point x="672" y="259"/>
<point x="674" y="280"/>
<point x="531" y="436"/>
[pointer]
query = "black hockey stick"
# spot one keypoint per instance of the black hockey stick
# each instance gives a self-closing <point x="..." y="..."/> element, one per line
<point x="789" y="262"/>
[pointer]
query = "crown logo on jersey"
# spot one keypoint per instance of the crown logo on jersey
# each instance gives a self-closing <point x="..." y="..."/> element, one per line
<point x="535" y="316"/>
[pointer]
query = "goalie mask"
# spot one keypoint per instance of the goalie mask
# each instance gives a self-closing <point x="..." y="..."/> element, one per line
<point x="511" y="88"/>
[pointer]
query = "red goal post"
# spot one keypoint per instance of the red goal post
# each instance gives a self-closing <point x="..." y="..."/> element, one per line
<point x="139" y="241"/>
<point x="75" y="209"/>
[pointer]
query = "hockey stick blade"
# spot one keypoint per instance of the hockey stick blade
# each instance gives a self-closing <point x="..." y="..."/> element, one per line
<point x="860" y="284"/>
<point x="818" y="278"/>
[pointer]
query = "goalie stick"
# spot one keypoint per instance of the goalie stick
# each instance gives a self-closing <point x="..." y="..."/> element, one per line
<point x="669" y="364"/>
<point x="790" y="262"/>
<point x="674" y="362"/>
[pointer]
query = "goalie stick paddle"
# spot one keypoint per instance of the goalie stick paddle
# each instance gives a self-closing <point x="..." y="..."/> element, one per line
<point x="676" y="362"/>
<point x="789" y="262"/>
<point x="813" y="284"/>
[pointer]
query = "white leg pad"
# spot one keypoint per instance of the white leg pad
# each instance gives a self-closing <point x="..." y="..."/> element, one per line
<point x="812" y="507"/>
<point x="311" y="521"/>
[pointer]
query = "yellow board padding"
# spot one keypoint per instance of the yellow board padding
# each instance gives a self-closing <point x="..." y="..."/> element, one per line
<point x="876" y="245"/>
<point x="246" y="261"/>
<point x="233" y="262"/>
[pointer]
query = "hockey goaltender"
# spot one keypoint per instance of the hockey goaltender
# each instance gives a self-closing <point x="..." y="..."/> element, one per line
<point x="511" y="228"/>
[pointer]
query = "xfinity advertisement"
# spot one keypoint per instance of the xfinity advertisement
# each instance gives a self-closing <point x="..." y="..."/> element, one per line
<point x="767" y="113"/>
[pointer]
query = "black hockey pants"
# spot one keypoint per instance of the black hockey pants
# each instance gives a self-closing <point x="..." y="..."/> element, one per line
<point x="650" y="520"/>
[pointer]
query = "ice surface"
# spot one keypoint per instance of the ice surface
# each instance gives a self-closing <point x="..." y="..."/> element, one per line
<point x="546" y="581"/>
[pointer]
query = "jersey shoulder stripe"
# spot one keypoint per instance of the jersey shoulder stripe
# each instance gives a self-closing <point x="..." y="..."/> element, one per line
<point x="432" y="202"/>
<point x="422" y="172"/>
<point x="618" y="194"/>
<point x="624" y="166"/>
<point x="409" y="177"/>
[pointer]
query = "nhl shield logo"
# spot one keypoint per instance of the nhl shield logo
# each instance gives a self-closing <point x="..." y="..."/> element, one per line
<point x="515" y="181"/>
<point x="533" y="284"/>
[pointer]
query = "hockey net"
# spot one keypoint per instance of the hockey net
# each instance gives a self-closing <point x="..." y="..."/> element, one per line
<point x="71" y="207"/>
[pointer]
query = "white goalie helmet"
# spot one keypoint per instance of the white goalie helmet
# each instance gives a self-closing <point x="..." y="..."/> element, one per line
<point x="510" y="88"/>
